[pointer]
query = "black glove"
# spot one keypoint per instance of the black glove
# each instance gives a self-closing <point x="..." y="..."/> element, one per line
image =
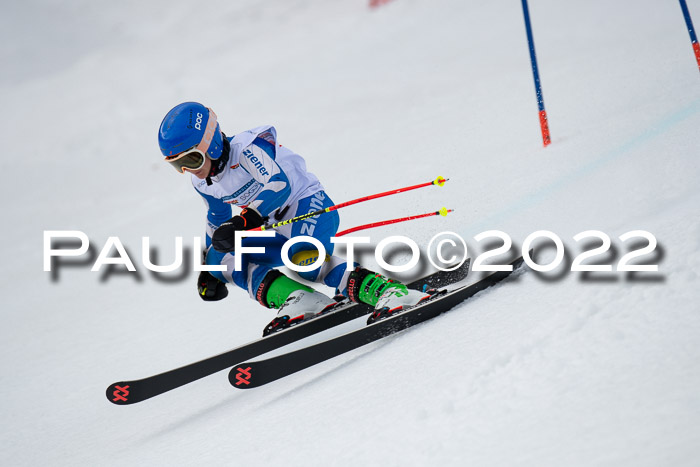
<point x="210" y="288"/>
<point x="224" y="236"/>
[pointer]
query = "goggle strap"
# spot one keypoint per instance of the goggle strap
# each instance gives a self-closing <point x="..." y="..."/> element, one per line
<point x="209" y="132"/>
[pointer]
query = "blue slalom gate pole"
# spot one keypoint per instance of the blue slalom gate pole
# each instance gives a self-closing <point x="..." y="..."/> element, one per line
<point x="691" y="31"/>
<point x="536" y="75"/>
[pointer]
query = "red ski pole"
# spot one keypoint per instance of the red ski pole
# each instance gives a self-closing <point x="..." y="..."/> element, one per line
<point x="440" y="181"/>
<point x="441" y="212"/>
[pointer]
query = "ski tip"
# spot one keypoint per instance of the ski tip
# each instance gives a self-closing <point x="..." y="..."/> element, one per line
<point x="239" y="377"/>
<point x="443" y="212"/>
<point x="440" y="181"/>
<point x="119" y="393"/>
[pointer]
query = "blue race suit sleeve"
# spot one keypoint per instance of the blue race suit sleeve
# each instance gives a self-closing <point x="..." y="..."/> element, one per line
<point x="258" y="160"/>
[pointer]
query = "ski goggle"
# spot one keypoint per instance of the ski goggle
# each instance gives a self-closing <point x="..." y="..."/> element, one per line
<point x="194" y="157"/>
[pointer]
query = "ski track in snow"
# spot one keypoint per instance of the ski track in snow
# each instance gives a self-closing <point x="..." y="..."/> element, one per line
<point x="575" y="370"/>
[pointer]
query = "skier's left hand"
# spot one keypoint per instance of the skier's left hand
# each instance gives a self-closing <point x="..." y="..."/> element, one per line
<point x="223" y="238"/>
<point x="210" y="288"/>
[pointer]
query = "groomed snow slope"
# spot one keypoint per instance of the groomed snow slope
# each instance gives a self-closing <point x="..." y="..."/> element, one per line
<point x="540" y="371"/>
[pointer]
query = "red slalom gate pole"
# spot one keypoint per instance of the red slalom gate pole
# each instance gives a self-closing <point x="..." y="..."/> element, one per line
<point x="691" y="31"/>
<point x="544" y="126"/>
<point x="440" y="181"/>
<point x="441" y="212"/>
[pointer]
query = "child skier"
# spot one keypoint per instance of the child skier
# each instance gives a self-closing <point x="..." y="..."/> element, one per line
<point x="253" y="171"/>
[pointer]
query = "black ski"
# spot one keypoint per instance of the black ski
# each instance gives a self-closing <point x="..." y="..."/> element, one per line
<point x="253" y="374"/>
<point x="130" y="392"/>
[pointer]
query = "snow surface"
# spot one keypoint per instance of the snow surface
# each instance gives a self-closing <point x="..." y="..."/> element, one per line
<point x="564" y="370"/>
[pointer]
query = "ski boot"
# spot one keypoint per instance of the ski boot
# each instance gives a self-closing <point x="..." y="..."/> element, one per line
<point x="296" y="302"/>
<point x="386" y="295"/>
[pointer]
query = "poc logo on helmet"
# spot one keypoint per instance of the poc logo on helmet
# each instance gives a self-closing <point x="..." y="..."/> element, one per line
<point x="198" y="121"/>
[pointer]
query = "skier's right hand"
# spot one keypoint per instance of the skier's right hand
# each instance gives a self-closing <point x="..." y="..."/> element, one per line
<point x="210" y="288"/>
<point x="224" y="236"/>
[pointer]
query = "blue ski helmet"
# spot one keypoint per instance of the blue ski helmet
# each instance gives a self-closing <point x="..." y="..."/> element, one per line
<point x="187" y="126"/>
